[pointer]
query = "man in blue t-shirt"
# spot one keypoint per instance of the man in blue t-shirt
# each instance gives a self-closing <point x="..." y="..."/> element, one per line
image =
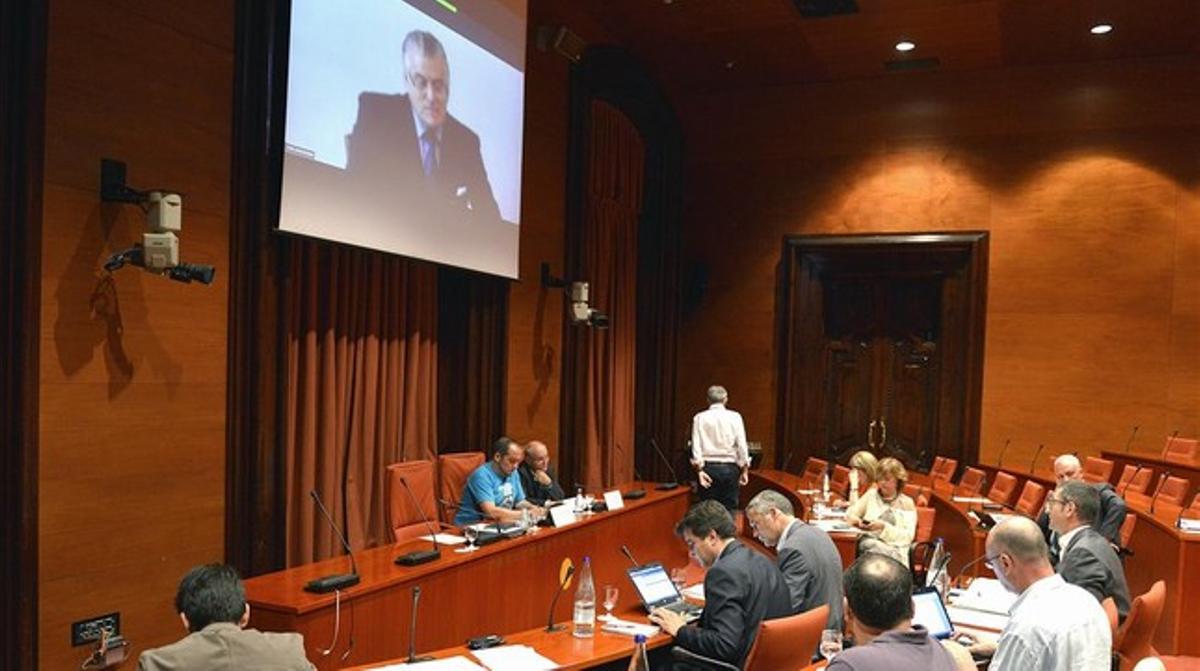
<point x="494" y="489"/>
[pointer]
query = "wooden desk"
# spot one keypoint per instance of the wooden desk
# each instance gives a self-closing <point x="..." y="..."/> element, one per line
<point x="1163" y="552"/>
<point x="560" y="646"/>
<point x="506" y="586"/>
<point x="1189" y="471"/>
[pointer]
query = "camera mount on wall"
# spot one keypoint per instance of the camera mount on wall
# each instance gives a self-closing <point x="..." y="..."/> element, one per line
<point x="581" y="312"/>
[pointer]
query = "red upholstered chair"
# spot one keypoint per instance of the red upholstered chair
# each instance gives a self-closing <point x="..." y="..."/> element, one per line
<point x="453" y="470"/>
<point x="814" y="470"/>
<point x="1096" y="469"/>
<point x="1172" y="490"/>
<point x="971" y="483"/>
<point x="1127" y="528"/>
<point x="1195" y="507"/>
<point x="1181" y="449"/>
<point x="404" y="518"/>
<point x="1134" y="479"/>
<point x="1134" y="639"/>
<point x="936" y="467"/>
<point x="781" y="641"/>
<point x="839" y="482"/>
<point x="949" y="466"/>
<point x="1030" y="501"/>
<point x="1003" y="488"/>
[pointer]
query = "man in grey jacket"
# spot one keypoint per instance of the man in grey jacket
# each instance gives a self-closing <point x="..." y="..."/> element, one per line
<point x="1086" y="558"/>
<point x="807" y="557"/>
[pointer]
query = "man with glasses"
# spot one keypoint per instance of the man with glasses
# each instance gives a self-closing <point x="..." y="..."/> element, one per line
<point x="1086" y="558"/>
<point x="741" y="589"/>
<point x="414" y="151"/>
<point x="1109" y="517"/>
<point x="807" y="557"/>
<point x="1053" y="625"/>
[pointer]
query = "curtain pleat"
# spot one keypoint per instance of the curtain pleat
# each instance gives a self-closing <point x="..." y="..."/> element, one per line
<point x="361" y="388"/>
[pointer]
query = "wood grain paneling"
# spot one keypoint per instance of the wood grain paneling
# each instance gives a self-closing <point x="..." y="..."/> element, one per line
<point x="132" y="393"/>
<point x="1085" y="175"/>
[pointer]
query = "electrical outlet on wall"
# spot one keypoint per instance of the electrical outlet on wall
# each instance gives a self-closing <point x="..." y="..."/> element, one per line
<point x="88" y="631"/>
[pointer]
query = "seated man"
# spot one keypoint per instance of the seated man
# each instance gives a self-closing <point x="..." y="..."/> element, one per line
<point x="741" y="589"/>
<point x="1112" y="507"/>
<point x="879" y="608"/>
<point x="807" y="557"/>
<point x="536" y="477"/>
<point x="1053" y="625"/>
<point x="1086" y="558"/>
<point x="494" y="489"/>
<point x="211" y="603"/>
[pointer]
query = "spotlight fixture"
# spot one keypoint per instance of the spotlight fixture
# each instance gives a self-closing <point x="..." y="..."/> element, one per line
<point x="905" y="45"/>
<point x="1102" y="29"/>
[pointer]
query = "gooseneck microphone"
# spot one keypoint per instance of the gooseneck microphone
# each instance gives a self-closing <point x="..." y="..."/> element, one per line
<point x="1000" y="459"/>
<point x="958" y="576"/>
<point x="1033" y="464"/>
<point x="330" y="583"/>
<point x="629" y="555"/>
<point x="1131" y="479"/>
<point x="1161" y="485"/>
<point x="1129" y="443"/>
<point x="674" y="478"/>
<point x="417" y="557"/>
<point x="1170" y="439"/>
<point x="412" y="630"/>
<point x="550" y="626"/>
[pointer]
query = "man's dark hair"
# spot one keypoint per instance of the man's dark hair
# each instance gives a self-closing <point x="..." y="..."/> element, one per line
<point x="211" y="593"/>
<point x="879" y="590"/>
<point x="707" y="516"/>
<point x="1084" y="496"/>
<point x="500" y="447"/>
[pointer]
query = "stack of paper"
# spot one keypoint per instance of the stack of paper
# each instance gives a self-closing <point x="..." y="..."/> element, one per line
<point x="514" y="658"/>
<point x="986" y="595"/>
<point x="627" y="628"/>
<point x="972" y="499"/>
<point x="446" y="539"/>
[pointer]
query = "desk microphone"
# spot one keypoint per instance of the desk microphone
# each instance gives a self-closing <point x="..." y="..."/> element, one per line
<point x="1000" y="459"/>
<point x="1131" y="479"/>
<point x="412" y="630"/>
<point x="675" y="478"/>
<point x="331" y="583"/>
<point x="1161" y="485"/>
<point x="550" y="626"/>
<point x="417" y="557"/>
<point x="1170" y="439"/>
<point x="629" y="555"/>
<point x="1033" y="464"/>
<point x="958" y="576"/>
<point x="1129" y="443"/>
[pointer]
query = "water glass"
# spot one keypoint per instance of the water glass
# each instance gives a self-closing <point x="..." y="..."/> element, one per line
<point x="610" y="600"/>
<point x="470" y="533"/>
<point x="831" y="643"/>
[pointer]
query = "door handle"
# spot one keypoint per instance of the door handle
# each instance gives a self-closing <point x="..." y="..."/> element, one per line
<point x="871" y="433"/>
<point x="883" y="438"/>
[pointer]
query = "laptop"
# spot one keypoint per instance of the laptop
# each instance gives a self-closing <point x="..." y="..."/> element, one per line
<point x="656" y="590"/>
<point x="930" y="612"/>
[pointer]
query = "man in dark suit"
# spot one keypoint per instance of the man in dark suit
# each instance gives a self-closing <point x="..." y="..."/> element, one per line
<point x="413" y="153"/>
<point x="1086" y="558"/>
<point x="807" y="557"/>
<point x="741" y="589"/>
<point x="211" y="603"/>
<point x="537" y="478"/>
<point x="1110" y="516"/>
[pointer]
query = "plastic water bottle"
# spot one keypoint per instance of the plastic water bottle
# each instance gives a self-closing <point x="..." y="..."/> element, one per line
<point x="639" y="661"/>
<point x="579" y="500"/>
<point x="825" y="487"/>
<point x="933" y="577"/>
<point x="585" y="603"/>
<point x="853" y="485"/>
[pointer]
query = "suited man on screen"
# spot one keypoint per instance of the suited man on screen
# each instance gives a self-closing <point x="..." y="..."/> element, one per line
<point x="413" y="152"/>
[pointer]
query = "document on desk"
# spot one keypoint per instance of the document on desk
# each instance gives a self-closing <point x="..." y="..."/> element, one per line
<point x="514" y="658"/>
<point x="446" y="539"/>
<point x="965" y="617"/>
<point x="986" y="595"/>
<point x="457" y="663"/>
<point x="835" y="526"/>
<point x="695" y="592"/>
<point x="1189" y="526"/>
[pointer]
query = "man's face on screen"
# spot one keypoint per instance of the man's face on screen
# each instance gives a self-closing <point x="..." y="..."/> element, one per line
<point x="428" y="85"/>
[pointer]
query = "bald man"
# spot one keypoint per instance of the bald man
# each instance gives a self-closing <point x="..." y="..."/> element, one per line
<point x="1053" y="625"/>
<point x="1112" y="506"/>
<point x="536" y="477"/>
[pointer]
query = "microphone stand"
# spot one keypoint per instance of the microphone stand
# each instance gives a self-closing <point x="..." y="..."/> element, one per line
<point x="417" y="557"/>
<point x="629" y="555"/>
<point x="1000" y="460"/>
<point x="1129" y="443"/>
<point x="1131" y="479"/>
<point x="550" y="626"/>
<point x="412" y="631"/>
<point x="1033" y="464"/>
<point x="332" y="583"/>
<point x="1166" y="475"/>
<point x="664" y="486"/>
<point x="1170" y="439"/>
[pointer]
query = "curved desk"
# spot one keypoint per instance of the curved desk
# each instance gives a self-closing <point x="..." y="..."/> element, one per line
<point x="506" y="586"/>
<point x="1162" y="552"/>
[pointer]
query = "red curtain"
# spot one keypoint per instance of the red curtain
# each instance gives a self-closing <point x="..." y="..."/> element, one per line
<point x="608" y="260"/>
<point x="360" y="388"/>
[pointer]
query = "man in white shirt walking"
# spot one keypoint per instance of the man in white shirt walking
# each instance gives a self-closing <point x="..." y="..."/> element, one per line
<point x="719" y="451"/>
<point x="1053" y="625"/>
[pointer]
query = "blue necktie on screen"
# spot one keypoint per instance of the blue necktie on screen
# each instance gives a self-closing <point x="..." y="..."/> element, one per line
<point x="429" y="152"/>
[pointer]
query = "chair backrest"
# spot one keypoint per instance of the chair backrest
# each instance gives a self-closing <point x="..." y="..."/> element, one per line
<point x="787" y="643"/>
<point x="1127" y="527"/>
<point x="1109" y="605"/>
<point x="1134" y="639"/>
<point x="949" y="466"/>
<point x="1134" y="479"/>
<point x="926" y="516"/>
<point x="1003" y="488"/>
<point x="936" y="467"/>
<point x="1173" y="490"/>
<point x="404" y="518"/>
<point x="1096" y="469"/>
<point x="814" y="468"/>
<point x="839" y="482"/>
<point x="1030" y="501"/>
<point x="453" y="470"/>
<point x="1181" y="449"/>
<point x="1195" y="507"/>
<point x="971" y="483"/>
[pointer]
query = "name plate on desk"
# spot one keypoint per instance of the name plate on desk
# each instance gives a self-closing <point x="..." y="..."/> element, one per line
<point x="562" y="515"/>
<point x="613" y="500"/>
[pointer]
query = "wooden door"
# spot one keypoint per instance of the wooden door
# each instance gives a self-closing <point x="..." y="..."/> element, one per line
<point x="882" y="347"/>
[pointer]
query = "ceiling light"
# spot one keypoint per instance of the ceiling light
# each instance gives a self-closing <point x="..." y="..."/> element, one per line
<point x="1102" y="29"/>
<point x="905" y="45"/>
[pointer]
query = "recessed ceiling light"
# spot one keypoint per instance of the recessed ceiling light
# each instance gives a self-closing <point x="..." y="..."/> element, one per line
<point x="729" y="64"/>
<point x="905" y="45"/>
<point x="1102" y="29"/>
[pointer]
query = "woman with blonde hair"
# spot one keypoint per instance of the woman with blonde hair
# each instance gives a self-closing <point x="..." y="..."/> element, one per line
<point x="887" y="517"/>
<point x="862" y="473"/>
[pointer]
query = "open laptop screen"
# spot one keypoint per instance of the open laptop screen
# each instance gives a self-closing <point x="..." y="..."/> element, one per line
<point x="930" y="612"/>
<point x="653" y="584"/>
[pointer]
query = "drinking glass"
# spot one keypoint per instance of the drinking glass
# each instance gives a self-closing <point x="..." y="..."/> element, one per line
<point x="679" y="577"/>
<point x="831" y="643"/>
<point x="610" y="600"/>
<point x="470" y="533"/>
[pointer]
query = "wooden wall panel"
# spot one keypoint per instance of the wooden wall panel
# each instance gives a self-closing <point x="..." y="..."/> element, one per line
<point x="132" y="392"/>
<point x="1087" y="176"/>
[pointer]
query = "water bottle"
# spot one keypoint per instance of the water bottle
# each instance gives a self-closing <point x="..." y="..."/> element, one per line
<point x="853" y="485"/>
<point x="579" y="500"/>
<point x="935" y="558"/>
<point x="585" y="603"/>
<point x="825" y="487"/>
<point x="639" y="661"/>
